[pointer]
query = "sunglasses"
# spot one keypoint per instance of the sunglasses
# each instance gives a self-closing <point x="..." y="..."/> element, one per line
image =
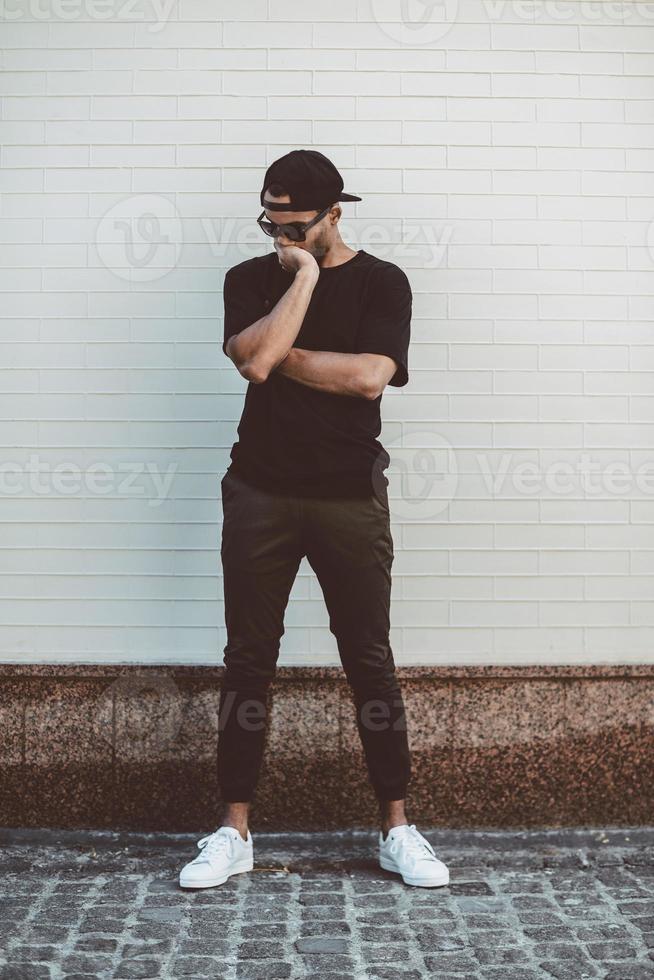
<point x="295" y="230"/>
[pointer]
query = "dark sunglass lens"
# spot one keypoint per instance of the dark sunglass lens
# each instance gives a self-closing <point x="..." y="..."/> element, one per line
<point x="293" y="233"/>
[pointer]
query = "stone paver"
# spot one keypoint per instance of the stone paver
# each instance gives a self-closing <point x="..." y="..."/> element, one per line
<point x="521" y="905"/>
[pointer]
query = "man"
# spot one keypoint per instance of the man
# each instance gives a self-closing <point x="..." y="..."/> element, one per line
<point x="318" y="329"/>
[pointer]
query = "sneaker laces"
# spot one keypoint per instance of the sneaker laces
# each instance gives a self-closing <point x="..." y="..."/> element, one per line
<point x="415" y="844"/>
<point x="213" y="845"/>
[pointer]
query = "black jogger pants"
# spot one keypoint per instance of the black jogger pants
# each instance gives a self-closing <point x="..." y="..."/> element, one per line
<point x="348" y="543"/>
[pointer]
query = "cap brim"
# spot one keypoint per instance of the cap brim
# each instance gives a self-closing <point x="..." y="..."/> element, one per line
<point x="348" y="197"/>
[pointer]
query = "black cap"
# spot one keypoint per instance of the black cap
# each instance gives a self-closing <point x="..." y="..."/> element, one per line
<point x="311" y="179"/>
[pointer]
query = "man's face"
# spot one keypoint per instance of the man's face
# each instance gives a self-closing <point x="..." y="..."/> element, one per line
<point x="318" y="237"/>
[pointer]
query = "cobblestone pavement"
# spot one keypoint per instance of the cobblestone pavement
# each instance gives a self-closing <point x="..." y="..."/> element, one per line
<point x="520" y="905"/>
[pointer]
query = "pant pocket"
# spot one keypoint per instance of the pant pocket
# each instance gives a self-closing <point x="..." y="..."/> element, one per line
<point x="260" y="532"/>
<point x="352" y="532"/>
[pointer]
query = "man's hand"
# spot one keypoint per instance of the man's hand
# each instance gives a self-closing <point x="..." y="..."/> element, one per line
<point x="292" y="258"/>
<point x="259" y="347"/>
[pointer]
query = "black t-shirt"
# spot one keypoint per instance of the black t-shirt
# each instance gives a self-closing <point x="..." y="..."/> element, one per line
<point x="294" y="438"/>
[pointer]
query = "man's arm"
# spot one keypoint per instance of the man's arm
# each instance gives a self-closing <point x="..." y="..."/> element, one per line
<point x="358" y="375"/>
<point x="263" y="345"/>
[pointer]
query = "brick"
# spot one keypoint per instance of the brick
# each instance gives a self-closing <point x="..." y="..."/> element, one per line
<point x="383" y="954"/>
<point x="502" y="955"/>
<point x="611" y="951"/>
<point x="78" y="963"/>
<point x="135" y="969"/>
<point x="567" y="970"/>
<point x="96" y="944"/>
<point x="561" y="951"/>
<point x="24" y="971"/>
<point x="433" y="941"/>
<point x="549" y="933"/>
<point x="390" y="935"/>
<point x="456" y="963"/>
<point x="259" y="950"/>
<point x="334" y="927"/>
<point x="270" y="930"/>
<point x="510" y="973"/>
<point x="310" y="899"/>
<point x="184" y="966"/>
<point x="383" y="973"/>
<point x="321" y="944"/>
<point x="267" y="970"/>
<point x="629" y="971"/>
<point x="331" y="961"/>
<point x="34" y="953"/>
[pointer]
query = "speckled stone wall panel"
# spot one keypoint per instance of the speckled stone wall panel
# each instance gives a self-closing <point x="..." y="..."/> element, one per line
<point x="13" y="696"/>
<point x="166" y="726"/>
<point x="134" y="747"/>
<point x="302" y="771"/>
<point x="610" y="726"/>
<point x="356" y="798"/>
<point x="68" y="752"/>
<point x="506" y="758"/>
<point x="430" y="724"/>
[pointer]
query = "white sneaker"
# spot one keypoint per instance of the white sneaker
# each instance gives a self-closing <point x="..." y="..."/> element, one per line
<point x="222" y="854"/>
<point x="406" y="852"/>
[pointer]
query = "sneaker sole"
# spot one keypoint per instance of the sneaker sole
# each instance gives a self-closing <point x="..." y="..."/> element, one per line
<point x="220" y="880"/>
<point x="435" y="882"/>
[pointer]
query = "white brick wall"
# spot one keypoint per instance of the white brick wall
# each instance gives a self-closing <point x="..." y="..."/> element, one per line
<point x="504" y="156"/>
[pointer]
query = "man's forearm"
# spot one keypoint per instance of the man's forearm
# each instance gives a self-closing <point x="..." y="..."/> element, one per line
<point x="340" y="374"/>
<point x="259" y="348"/>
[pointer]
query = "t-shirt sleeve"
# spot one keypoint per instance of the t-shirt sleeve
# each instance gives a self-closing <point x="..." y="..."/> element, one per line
<point x="241" y="304"/>
<point x="385" y="326"/>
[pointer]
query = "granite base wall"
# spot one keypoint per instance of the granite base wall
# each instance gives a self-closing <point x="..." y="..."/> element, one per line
<point x="133" y="747"/>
